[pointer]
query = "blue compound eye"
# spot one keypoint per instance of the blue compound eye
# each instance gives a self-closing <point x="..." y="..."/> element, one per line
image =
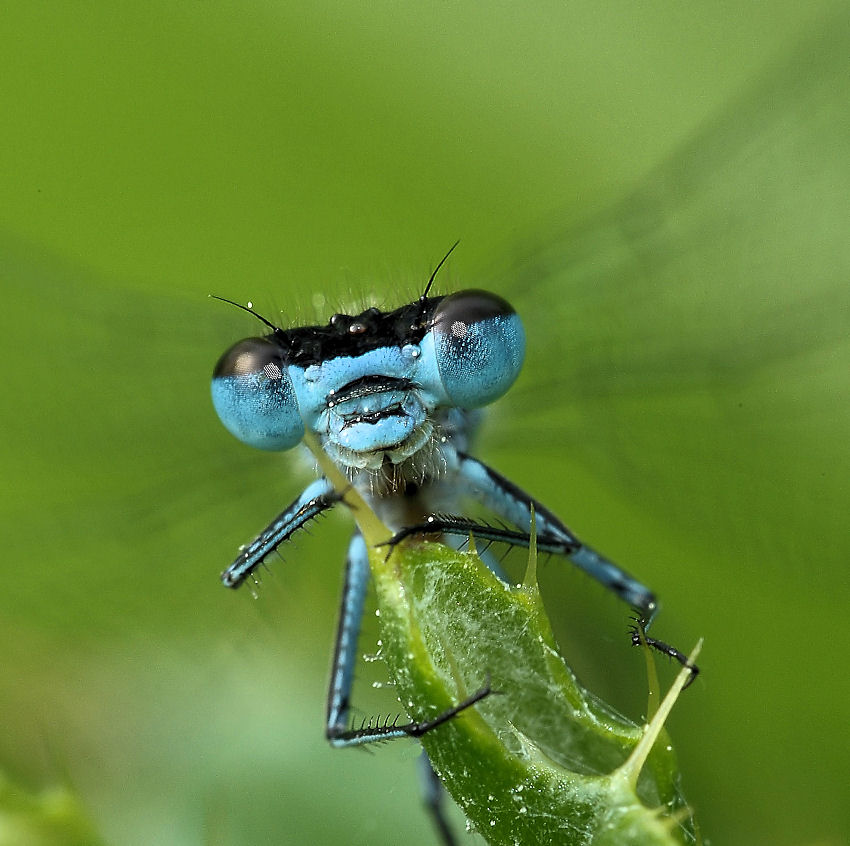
<point x="254" y="398"/>
<point x="480" y="345"/>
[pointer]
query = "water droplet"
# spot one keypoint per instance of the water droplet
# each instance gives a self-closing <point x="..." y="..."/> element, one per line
<point x="411" y="351"/>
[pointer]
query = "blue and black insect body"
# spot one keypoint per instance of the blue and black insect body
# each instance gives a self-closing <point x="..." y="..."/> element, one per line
<point x="393" y="398"/>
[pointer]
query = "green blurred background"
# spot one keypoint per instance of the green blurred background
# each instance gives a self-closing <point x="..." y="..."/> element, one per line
<point x="662" y="191"/>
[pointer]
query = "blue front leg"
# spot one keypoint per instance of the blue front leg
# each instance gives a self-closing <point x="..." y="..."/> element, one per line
<point x="345" y="647"/>
<point x="319" y="496"/>
<point x="337" y="729"/>
<point x="513" y="504"/>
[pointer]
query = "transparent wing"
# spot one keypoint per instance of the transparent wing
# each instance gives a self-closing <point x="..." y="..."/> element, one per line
<point x="704" y="322"/>
<point x="108" y="427"/>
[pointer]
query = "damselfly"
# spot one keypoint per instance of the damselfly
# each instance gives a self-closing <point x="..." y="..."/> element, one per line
<point x="393" y="398"/>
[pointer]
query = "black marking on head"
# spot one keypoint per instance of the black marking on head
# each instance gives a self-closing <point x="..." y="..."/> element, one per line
<point x="375" y="416"/>
<point x="374" y="383"/>
<point x="353" y="335"/>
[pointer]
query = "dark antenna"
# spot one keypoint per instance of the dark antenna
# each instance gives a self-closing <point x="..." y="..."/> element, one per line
<point x="250" y="310"/>
<point x="437" y="270"/>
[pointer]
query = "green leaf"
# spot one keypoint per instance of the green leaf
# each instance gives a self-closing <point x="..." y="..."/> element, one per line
<point x="542" y="760"/>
